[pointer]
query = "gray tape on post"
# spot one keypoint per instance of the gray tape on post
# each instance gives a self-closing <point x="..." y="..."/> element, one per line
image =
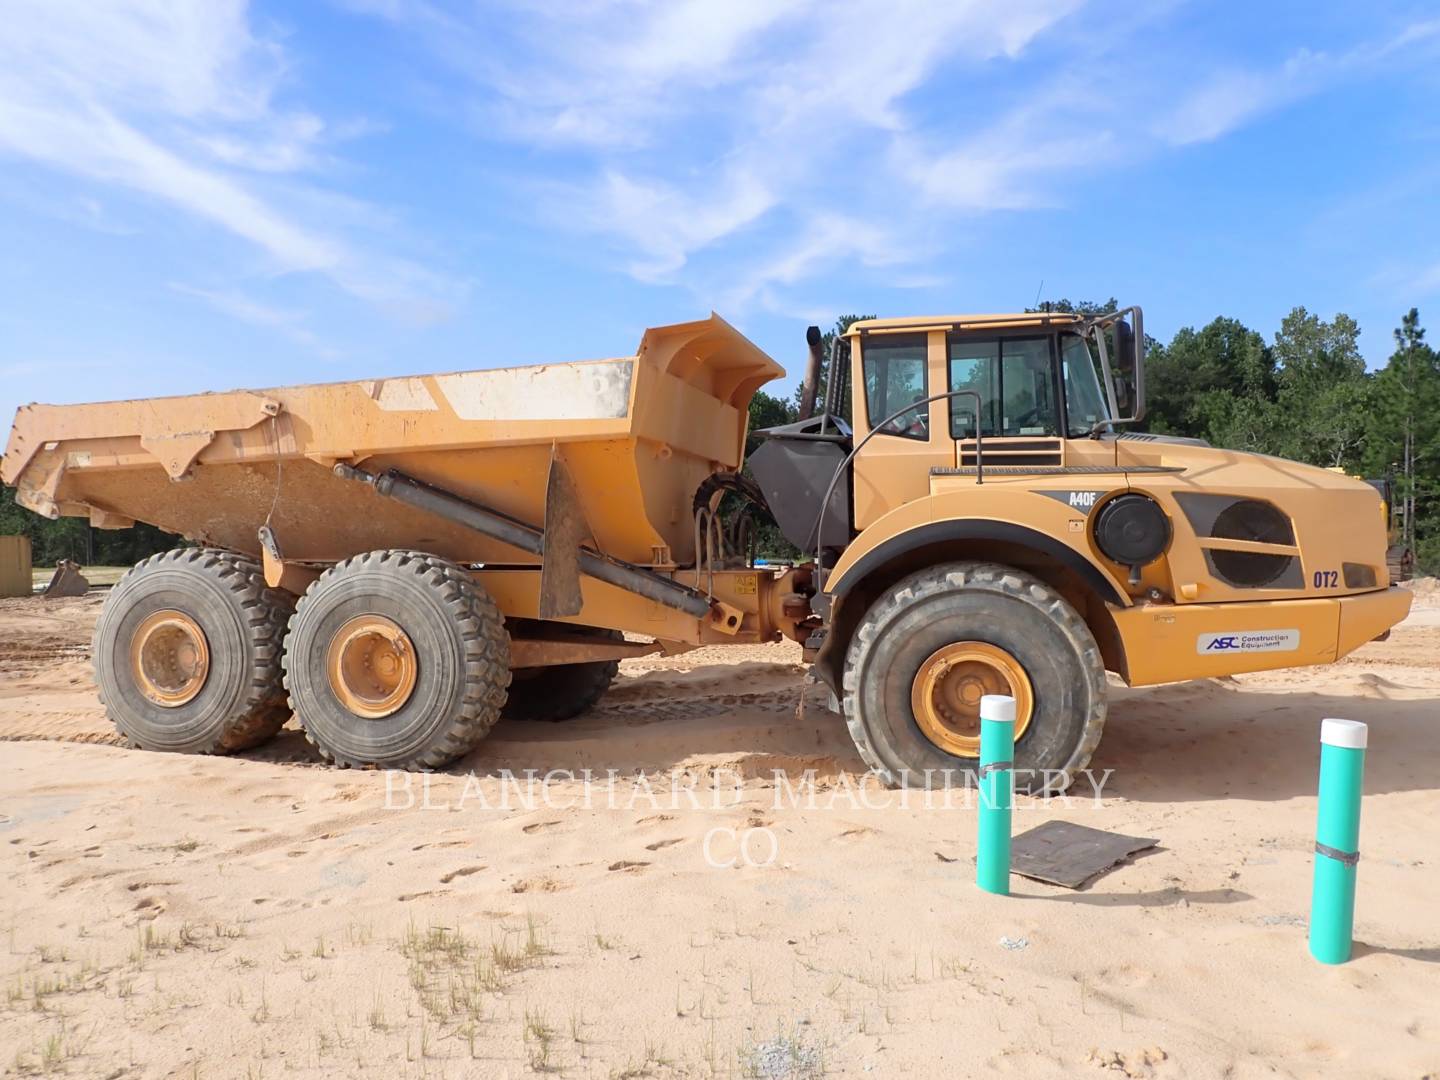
<point x="1349" y="858"/>
<point x="995" y="766"/>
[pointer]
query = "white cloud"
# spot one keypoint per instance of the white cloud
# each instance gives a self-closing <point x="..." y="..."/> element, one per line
<point x="1230" y="98"/>
<point x="237" y="305"/>
<point x="665" y="223"/>
<point x="700" y="123"/>
<point x="716" y="145"/>
<point x="91" y="141"/>
<point x="1428" y="281"/>
<point x="1015" y="162"/>
<point x="170" y="100"/>
<point x="823" y="238"/>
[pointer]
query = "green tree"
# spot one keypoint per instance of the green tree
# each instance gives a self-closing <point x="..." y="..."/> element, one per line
<point x="1322" y="390"/>
<point x="767" y="411"/>
<point x="1403" y="441"/>
<point x="1087" y="308"/>
<point x="1216" y="383"/>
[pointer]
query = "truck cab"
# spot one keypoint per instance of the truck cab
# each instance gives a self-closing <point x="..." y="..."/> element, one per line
<point x="991" y="525"/>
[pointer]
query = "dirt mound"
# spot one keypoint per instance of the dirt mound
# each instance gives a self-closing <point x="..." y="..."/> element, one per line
<point x="1426" y="589"/>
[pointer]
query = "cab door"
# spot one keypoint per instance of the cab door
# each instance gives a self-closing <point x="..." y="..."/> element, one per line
<point x="891" y="371"/>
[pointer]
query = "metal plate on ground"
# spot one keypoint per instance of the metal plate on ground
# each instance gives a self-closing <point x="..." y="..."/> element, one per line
<point x="1060" y="853"/>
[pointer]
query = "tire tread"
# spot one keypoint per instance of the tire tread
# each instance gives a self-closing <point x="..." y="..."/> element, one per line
<point x="487" y="648"/>
<point x="946" y="578"/>
<point x="263" y="710"/>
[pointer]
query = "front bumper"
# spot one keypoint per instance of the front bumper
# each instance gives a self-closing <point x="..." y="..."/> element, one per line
<point x="1173" y="642"/>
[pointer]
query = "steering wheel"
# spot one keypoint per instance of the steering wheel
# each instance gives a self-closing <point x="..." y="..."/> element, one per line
<point x="1026" y="417"/>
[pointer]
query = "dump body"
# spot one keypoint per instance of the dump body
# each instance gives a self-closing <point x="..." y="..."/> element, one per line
<point x="638" y="435"/>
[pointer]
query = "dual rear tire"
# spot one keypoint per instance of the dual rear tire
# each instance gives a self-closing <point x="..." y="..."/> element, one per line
<point x="396" y="659"/>
<point x="392" y="659"/>
<point x="187" y="653"/>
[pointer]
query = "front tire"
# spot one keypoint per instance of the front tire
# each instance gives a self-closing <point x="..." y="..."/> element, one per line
<point x="187" y="653"/>
<point x="396" y="659"/>
<point x="933" y="643"/>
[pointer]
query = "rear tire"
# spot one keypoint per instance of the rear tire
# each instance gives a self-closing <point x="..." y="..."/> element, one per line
<point x="562" y="691"/>
<point x="237" y="700"/>
<point x="456" y="649"/>
<point x="1010" y="614"/>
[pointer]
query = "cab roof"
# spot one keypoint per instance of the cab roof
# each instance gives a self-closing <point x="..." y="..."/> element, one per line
<point x="963" y="322"/>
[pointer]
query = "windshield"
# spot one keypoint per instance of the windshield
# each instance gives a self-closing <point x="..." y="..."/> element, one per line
<point x="1084" y="403"/>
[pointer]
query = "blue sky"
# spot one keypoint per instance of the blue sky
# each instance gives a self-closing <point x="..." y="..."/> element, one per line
<point x="218" y="193"/>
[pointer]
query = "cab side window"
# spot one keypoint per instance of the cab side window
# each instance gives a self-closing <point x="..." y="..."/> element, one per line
<point x="1015" y="380"/>
<point x="974" y="365"/>
<point x="895" y="376"/>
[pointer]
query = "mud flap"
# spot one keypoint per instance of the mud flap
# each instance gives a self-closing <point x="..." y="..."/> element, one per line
<point x="565" y="529"/>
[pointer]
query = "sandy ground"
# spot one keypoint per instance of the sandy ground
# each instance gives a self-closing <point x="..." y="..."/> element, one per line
<point x="267" y="916"/>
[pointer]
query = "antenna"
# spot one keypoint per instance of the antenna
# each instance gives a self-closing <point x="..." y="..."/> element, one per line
<point x="1038" y="291"/>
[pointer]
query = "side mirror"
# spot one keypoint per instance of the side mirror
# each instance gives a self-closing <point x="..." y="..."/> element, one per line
<point x="1124" y="375"/>
<point x="1129" y="365"/>
<point x="1119" y="338"/>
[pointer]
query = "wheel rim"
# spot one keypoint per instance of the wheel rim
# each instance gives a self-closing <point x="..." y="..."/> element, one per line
<point x="169" y="658"/>
<point x="945" y="696"/>
<point x="371" y="666"/>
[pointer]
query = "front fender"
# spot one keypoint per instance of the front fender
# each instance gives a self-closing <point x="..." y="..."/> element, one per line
<point x="1046" y="522"/>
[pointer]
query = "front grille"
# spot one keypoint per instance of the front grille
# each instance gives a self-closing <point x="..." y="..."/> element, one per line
<point x="1251" y="519"/>
<point x="1255" y="570"/>
<point x="1226" y="517"/>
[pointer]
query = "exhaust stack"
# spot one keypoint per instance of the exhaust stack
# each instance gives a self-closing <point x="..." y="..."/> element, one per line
<point x="813" y="339"/>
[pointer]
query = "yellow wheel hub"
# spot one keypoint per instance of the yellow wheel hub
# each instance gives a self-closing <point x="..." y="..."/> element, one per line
<point x="169" y="658"/>
<point x="948" y="687"/>
<point x="371" y="666"/>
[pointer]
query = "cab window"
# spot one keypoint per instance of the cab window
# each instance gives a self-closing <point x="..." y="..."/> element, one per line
<point x="1016" y="383"/>
<point x="895" y="376"/>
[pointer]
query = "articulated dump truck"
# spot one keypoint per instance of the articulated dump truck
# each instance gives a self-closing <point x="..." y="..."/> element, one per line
<point x="400" y="563"/>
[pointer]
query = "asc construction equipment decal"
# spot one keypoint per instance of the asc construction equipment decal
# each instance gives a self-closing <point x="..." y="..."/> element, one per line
<point x="1248" y="641"/>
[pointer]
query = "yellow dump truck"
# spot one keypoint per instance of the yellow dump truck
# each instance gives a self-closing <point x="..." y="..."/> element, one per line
<point x="402" y="562"/>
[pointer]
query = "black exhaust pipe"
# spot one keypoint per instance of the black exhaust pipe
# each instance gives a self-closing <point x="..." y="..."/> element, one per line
<point x="814" y="339"/>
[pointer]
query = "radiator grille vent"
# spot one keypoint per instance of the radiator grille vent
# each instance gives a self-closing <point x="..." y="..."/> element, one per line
<point x="1225" y="517"/>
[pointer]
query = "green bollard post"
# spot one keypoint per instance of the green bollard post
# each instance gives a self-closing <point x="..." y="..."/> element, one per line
<point x="997" y="793"/>
<point x="1337" y="839"/>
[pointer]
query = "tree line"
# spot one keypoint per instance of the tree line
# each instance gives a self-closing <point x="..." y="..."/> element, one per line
<point x="1304" y="394"/>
